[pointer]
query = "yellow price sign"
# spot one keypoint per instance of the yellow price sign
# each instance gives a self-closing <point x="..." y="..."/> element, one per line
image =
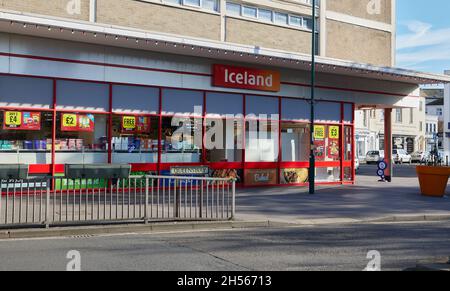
<point x="333" y="132"/>
<point x="69" y="120"/>
<point x="319" y="132"/>
<point x="13" y="118"/>
<point x="129" y="122"/>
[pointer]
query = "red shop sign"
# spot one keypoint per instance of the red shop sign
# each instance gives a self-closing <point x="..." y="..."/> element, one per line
<point x="15" y="120"/>
<point x="77" y="122"/>
<point x="246" y="78"/>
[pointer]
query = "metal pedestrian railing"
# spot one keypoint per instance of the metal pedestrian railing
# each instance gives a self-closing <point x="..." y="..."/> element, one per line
<point x="53" y="201"/>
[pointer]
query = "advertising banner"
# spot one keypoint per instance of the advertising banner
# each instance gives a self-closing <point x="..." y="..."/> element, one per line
<point x="78" y="122"/>
<point x="14" y="120"/>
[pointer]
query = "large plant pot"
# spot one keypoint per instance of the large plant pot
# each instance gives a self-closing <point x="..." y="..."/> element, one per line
<point x="433" y="180"/>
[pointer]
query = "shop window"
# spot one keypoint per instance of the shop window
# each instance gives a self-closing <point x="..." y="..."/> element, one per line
<point x="348" y="113"/>
<point x="262" y="140"/>
<point x="135" y="139"/>
<point x="26" y="92"/>
<point x="329" y="174"/>
<point x="81" y="138"/>
<point x="222" y="104"/>
<point x="224" y="140"/>
<point x="295" y="141"/>
<point x="348" y="140"/>
<point x="182" y="102"/>
<point x="25" y="137"/>
<point x="262" y="107"/>
<point x="138" y="100"/>
<point x="326" y="141"/>
<point x="348" y="174"/>
<point x="84" y="96"/>
<point x="328" y="112"/>
<point x="293" y="109"/>
<point x="182" y="140"/>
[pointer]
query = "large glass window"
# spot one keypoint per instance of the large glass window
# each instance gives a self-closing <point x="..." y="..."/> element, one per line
<point x="182" y="102"/>
<point x="25" y="137"/>
<point x="26" y="92"/>
<point x="133" y="99"/>
<point x="262" y="140"/>
<point x="295" y="142"/>
<point x="224" y="139"/>
<point x="85" y="96"/>
<point x="135" y="139"/>
<point x="81" y="138"/>
<point x="182" y="140"/>
<point x="224" y="127"/>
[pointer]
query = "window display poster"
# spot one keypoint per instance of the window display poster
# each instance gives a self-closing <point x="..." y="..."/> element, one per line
<point x="78" y="122"/>
<point x="333" y="149"/>
<point x="319" y="150"/>
<point x="14" y="120"/>
<point x="333" y="132"/>
<point x="255" y="177"/>
<point x="319" y="132"/>
<point x="135" y="124"/>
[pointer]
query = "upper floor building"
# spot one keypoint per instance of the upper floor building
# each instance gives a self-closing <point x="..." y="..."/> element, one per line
<point x="285" y="25"/>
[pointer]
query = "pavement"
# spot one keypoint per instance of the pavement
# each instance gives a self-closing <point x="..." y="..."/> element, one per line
<point x="368" y="200"/>
<point x="298" y="248"/>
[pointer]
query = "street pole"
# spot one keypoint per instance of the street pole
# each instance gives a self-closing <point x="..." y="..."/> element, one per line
<point x="312" y="158"/>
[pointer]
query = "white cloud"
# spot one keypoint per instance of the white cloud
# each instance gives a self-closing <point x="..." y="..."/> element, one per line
<point x="422" y="43"/>
<point x="422" y="34"/>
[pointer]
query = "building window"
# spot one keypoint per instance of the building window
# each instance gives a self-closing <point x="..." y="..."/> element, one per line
<point x="26" y="137"/>
<point x="210" y="5"/>
<point x="266" y="15"/>
<point x="411" y="116"/>
<point x="398" y="116"/>
<point x="81" y="137"/>
<point x="421" y="126"/>
<point x="421" y="106"/>
<point x="439" y="111"/>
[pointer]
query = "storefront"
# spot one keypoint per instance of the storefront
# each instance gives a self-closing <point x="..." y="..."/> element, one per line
<point x="109" y="95"/>
<point x="264" y="139"/>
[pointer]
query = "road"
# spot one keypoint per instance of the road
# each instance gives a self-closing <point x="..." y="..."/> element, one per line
<point x="342" y="247"/>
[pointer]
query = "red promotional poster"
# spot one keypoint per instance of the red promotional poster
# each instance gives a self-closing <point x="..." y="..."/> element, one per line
<point x="319" y="150"/>
<point x="135" y="124"/>
<point x="14" y="120"/>
<point x="78" y="122"/>
<point x="333" y="149"/>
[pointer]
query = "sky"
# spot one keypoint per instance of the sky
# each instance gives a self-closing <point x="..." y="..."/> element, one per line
<point x="423" y="35"/>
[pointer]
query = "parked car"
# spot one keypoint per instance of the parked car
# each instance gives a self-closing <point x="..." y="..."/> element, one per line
<point x="400" y="156"/>
<point x="420" y="157"/>
<point x="356" y="164"/>
<point x="374" y="157"/>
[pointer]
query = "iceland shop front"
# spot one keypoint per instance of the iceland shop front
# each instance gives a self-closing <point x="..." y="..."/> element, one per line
<point x="261" y="139"/>
<point x="96" y="96"/>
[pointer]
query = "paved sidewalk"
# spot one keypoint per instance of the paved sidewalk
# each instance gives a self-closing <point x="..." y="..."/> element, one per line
<point x="367" y="200"/>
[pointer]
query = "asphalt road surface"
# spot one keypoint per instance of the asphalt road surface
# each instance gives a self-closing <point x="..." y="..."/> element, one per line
<point x="342" y="247"/>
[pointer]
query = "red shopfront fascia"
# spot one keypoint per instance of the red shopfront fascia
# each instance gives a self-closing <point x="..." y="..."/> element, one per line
<point x="246" y="78"/>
